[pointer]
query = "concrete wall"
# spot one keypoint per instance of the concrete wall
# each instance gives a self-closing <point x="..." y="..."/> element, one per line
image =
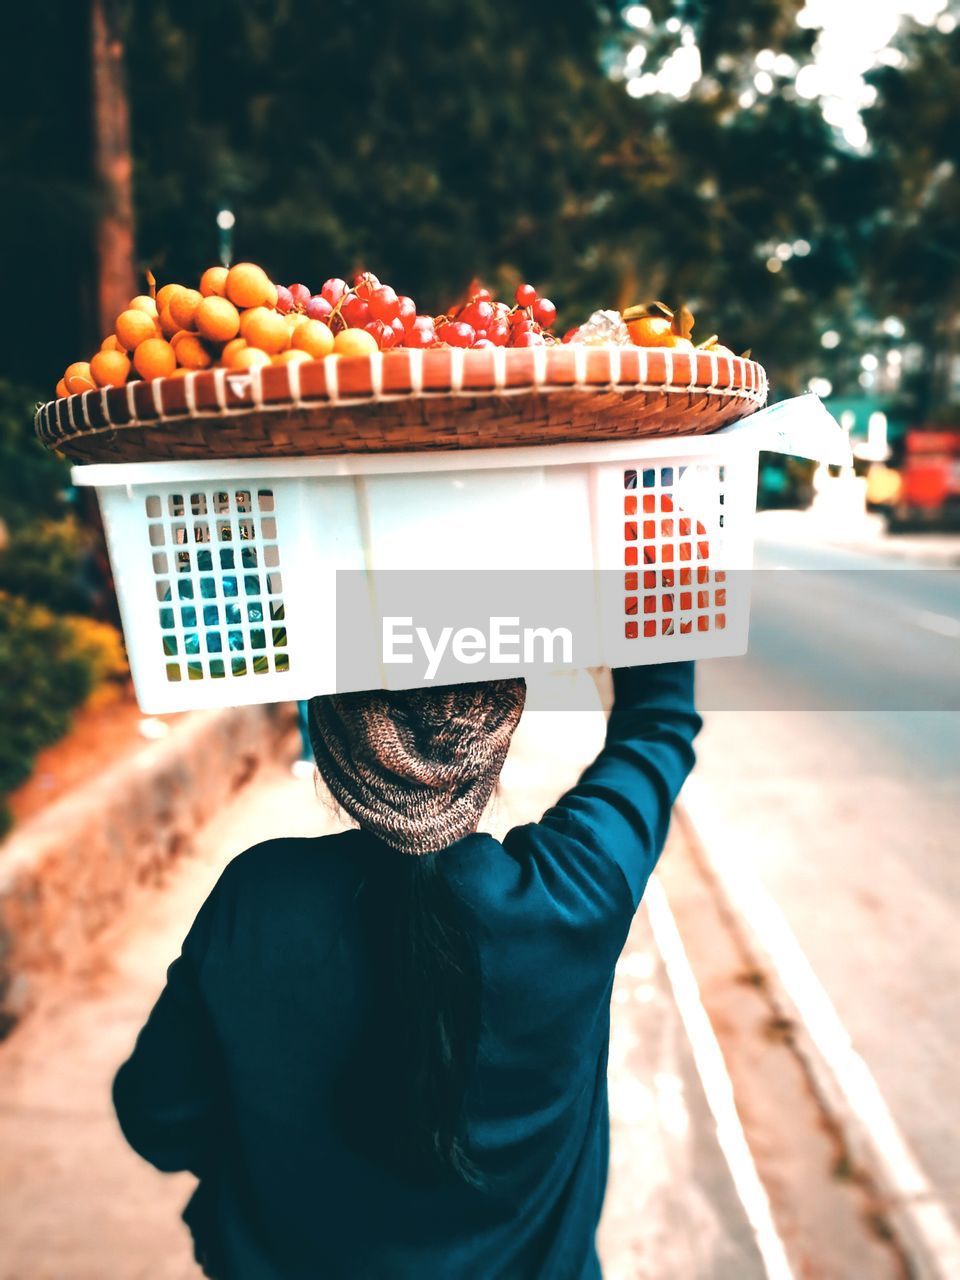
<point x="70" y="871"/>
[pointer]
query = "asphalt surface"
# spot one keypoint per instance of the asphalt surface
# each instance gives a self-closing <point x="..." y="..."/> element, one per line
<point x="833" y="753"/>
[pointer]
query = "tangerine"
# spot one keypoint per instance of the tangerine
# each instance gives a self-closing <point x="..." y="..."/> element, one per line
<point x="651" y="331"/>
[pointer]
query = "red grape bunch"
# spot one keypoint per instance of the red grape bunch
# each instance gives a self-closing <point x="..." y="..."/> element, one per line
<point x="388" y="319"/>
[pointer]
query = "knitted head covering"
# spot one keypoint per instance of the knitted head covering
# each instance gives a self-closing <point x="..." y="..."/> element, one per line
<point x="417" y="767"/>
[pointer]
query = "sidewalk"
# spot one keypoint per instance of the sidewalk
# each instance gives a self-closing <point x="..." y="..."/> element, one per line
<point x="78" y="1205"/>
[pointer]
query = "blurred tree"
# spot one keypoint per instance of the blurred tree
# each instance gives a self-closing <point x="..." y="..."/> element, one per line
<point x="911" y="259"/>
<point x="112" y="163"/>
<point x="48" y="201"/>
<point x="763" y="204"/>
<point x="473" y="139"/>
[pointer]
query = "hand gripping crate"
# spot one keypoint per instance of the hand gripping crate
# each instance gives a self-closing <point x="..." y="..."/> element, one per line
<point x="227" y="571"/>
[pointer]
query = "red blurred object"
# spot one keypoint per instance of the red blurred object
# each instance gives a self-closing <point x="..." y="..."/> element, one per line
<point x="931" y="470"/>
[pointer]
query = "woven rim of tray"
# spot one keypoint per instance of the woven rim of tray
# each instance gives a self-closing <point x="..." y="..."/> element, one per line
<point x="631" y="379"/>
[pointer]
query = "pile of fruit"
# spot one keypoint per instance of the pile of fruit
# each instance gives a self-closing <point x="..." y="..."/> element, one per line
<point x="239" y="319"/>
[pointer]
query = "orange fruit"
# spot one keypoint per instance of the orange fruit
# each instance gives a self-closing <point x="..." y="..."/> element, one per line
<point x="677" y="343"/>
<point x="293" y="356"/>
<point x="166" y="295"/>
<point x="154" y="359"/>
<point x="248" y="285"/>
<point x="316" y="338"/>
<point x="133" y="327"/>
<point x="143" y="302"/>
<point x="231" y="349"/>
<point x="62" y="389"/>
<point x="214" y="281"/>
<point x="183" y="307"/>
<point x="651" y="331"/>
<point x="218" y="319"/>
<point x="78" y="377"/>
<point x="168" y="326"/>
<point x="265" y="329"/>
<point x="272" y="295"/>
<point x="192" y="353"/>
<point x="249" y="358"/>
<point x="348" y="342"/>
<point x="110" y="343"/>
<point x="110" y="368"/>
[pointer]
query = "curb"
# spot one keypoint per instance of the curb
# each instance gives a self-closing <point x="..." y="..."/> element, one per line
<point x="919" y="1222"/>
<point x="71" y="870"/>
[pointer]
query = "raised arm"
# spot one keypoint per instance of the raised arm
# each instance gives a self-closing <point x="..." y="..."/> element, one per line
<point x="622" y="803"/>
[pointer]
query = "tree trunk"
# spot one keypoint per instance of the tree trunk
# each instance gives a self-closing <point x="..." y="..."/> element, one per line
<point x="113" y="165"/>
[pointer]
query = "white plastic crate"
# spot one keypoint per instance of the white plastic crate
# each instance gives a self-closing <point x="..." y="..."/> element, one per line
<point x="226" y="570"/>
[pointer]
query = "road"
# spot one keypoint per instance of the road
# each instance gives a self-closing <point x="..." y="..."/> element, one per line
<point x="833" y="753"/>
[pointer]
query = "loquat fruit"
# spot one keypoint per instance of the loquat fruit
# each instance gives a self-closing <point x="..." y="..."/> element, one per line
<point x="214" y="281"/>
<point x="154" y="358"/>
<point x="249" y="358"/>
<point x="348" y="342"/>
<point x="183" y="307"/>
<point x="218" y="319"/>
<point x="316" y="338"/>
<point x="143" y="302"/>
<point x="110" y="368"/>
<point x="166" y="295"/>
<point x="231" y="349"/>
<point x="133" y="327"/>
<point x="265" y="329"/>
<point x="293" y="356"/>
<point x="192" y="353"/>
<point x="78" y="377"/>
<point x="248" y="285"/>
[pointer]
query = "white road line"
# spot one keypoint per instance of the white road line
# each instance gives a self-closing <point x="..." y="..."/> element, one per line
<point x="925" y="1228"/>
<point x="940" y="624"/>
<point x="716" y="1082"/>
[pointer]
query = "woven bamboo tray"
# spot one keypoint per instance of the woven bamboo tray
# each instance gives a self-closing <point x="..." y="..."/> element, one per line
<point x="408" y="400"/>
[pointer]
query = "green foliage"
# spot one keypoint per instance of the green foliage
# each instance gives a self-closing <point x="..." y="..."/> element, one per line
<point x="46" y="675"/>
<point x="476" y="139"/>
<point x="42" y="562"/>
<point x="911" y="261"/>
